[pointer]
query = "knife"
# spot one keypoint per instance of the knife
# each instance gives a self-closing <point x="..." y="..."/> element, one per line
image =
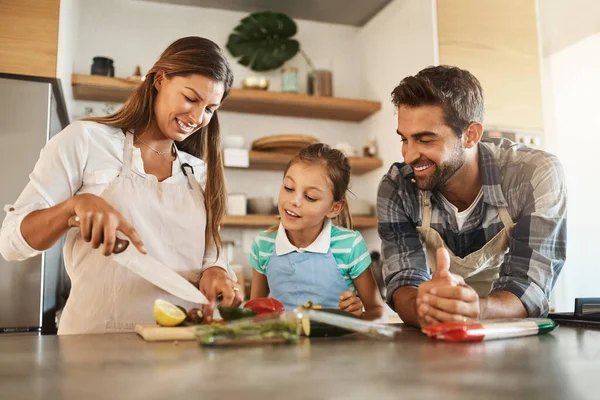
<point x="120" y="244"/>
<point x="370" y="328"/>
<point x="159" y="275"/>
<point x="153" y="271"/>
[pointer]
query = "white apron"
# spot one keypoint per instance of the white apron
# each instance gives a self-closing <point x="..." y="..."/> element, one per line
<point x="480" y="268"/>
<point x="171" y="221"/>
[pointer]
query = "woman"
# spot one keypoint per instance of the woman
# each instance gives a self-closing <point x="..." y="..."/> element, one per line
<point x="125" y="172"/>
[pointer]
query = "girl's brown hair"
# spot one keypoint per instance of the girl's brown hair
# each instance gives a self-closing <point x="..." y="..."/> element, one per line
<point x="338" y="172"/>
<point x="186" y="56"/>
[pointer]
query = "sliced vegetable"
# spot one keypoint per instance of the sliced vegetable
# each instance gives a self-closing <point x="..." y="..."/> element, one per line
<point x="233" y="313"/>
<point x="167" y="314"/>
<point x="319" y="329"/>
<point x="266" y="305"/>
<point x="194" y="316"/>
<point x="267" y="331"/>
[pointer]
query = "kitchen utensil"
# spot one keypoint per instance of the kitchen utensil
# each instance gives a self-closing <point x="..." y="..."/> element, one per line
<point x="120" y="244"/>
<point x="285" y="143"/>
<point x="157" y="333"/>
<point x="476" y="331"/>
<point x="153" y="271"/>
<point x="261" y="205"/>
<point x="159" y="275"/>
<point x="369" y="328"/>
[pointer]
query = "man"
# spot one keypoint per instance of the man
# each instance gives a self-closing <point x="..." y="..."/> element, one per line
<point x="470" y="229"/>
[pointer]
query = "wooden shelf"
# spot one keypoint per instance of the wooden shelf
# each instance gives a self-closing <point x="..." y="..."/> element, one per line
<point x="260" y="221"/>
<point x="265" y="160"/>
<point x="103" y="88"/>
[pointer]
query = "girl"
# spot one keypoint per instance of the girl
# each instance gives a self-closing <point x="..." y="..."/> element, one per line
<point x="151" y="171"/>
<point x="308" y="258"/>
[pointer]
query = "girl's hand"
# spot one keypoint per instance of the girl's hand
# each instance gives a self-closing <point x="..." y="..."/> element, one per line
<point x="351" y="303"/>
<point x="99" y="223"/>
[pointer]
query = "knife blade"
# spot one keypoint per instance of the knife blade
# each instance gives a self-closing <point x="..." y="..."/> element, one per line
<point x="151" y="270"/>
<point x="159" y="275"/>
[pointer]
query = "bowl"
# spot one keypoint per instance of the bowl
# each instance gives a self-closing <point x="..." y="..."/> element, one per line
<point x="261" y="205"/>
<point x="255" y="83"/>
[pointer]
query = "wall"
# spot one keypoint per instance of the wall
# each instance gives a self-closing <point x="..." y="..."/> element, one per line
<point x="572" y="86"/>
<point x="67" y="38"/>
<point x="399" y="41"/>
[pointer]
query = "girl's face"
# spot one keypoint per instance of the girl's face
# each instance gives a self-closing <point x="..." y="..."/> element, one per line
<point x="306" y="197"/>
<point x="184" y="104"/>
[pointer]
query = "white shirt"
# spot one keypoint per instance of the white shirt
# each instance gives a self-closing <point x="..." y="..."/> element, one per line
<point x="320" y="245"/>
<point x="462" y="216"/>
<point x="84" y="158"/>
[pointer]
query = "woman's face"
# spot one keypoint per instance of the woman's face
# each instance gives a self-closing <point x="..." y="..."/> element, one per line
<point x="184" y="104"/>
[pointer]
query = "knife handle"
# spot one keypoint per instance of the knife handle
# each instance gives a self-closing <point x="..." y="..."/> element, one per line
<point x="120" y="244"/>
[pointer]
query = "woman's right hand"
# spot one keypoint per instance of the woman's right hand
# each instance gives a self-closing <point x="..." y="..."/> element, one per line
<point x="99" y="223"/>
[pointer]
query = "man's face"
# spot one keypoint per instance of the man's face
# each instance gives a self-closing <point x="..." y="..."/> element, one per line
<point x="429" y="146"/>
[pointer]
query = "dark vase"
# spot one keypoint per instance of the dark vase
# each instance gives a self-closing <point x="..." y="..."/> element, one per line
<point x="103" y="66"/>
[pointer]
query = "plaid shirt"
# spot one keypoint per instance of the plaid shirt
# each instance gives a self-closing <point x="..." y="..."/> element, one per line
<point x="528" y="182"/>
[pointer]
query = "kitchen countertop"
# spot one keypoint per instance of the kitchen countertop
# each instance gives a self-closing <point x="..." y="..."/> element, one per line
<point x="564" y="364"/>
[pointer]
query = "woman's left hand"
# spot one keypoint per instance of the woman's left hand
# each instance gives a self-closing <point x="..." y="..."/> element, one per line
<point x="351" y="303"/>
<point x="214" y="282"/>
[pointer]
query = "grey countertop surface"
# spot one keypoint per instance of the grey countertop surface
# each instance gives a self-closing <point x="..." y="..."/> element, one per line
<point x="564" y="364"/>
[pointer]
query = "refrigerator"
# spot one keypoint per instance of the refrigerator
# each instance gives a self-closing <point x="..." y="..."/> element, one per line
<point x="32" y="110"/>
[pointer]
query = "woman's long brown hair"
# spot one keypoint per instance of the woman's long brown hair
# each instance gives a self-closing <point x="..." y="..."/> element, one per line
<point x="186" y="56"/>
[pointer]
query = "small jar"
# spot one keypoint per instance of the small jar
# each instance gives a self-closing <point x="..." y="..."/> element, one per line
<point x="289" y="79"/>
<point x="103" y="66"/>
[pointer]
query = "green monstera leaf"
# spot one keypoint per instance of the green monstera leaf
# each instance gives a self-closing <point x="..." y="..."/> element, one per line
<point x="262" y="41"/>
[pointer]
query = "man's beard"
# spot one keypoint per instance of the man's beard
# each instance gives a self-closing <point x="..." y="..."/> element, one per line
<point x="442" y="173"/>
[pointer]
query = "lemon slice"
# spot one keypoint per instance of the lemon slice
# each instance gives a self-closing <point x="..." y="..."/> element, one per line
<point x="167" y="314"/>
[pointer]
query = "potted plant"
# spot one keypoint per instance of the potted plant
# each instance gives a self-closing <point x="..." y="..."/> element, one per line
<point x="263" y="41"/>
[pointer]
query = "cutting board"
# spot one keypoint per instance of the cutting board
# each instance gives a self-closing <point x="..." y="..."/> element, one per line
<point x="157" y="333"/>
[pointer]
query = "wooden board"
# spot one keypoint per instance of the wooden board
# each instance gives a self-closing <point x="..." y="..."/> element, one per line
<point x="498" y="42"/>
<point x="87" y="87"/>
<point x="29" y="37"/>
<point x="157" y="333"/>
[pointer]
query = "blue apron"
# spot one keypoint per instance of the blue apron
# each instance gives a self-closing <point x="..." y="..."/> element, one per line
<point x="298" y="277"/>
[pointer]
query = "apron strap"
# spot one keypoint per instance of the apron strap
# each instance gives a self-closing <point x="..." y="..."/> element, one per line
<point x="127" y="153"/>
<point x="188" y="171"/>
<point x="505" y="217"/>
<point x="425" y="209"/>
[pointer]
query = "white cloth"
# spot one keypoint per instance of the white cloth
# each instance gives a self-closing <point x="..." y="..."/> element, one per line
<point x="320" y="245"/>
<point x="461" y="216"/>
<point x="169" y="216"/>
